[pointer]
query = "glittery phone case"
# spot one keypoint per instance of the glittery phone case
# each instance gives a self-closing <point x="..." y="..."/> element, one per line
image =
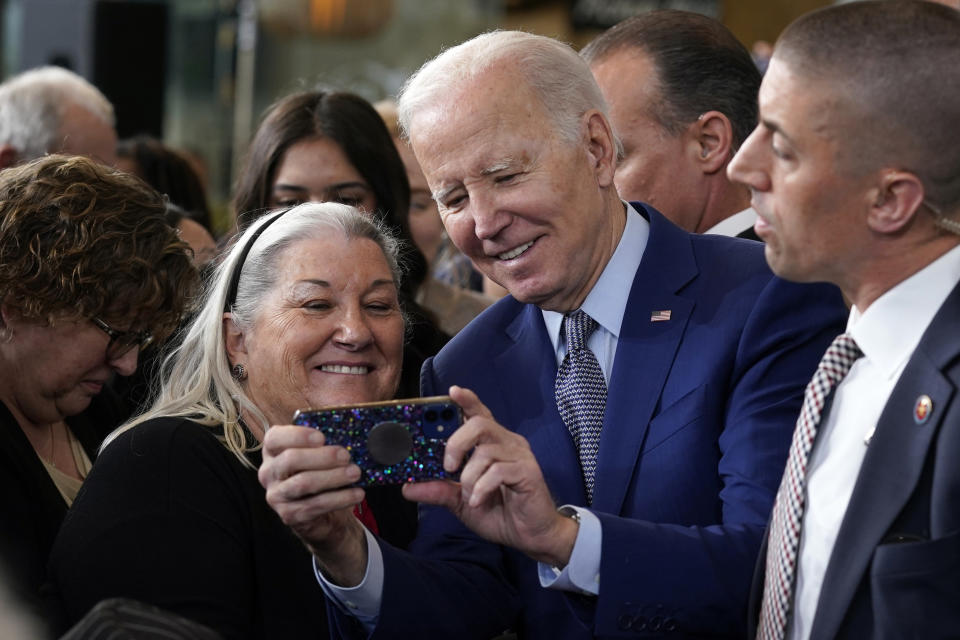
<point x="392" y="442"/>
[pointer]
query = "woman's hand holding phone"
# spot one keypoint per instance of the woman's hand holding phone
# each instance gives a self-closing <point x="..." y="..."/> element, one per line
<point x="311" y="487"/>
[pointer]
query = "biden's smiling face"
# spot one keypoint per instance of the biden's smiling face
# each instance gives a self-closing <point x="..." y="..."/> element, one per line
<point x="524" y="203"/>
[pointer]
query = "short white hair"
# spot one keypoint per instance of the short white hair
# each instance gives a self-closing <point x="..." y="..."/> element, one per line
<point x="552" y="69"/>
<point x="33" y="103"/>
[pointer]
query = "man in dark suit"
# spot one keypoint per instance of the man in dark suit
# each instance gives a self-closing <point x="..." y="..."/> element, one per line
<point x="857" y="183"/>
<point x="682" y="92"/>
<point x="699" y="358"/>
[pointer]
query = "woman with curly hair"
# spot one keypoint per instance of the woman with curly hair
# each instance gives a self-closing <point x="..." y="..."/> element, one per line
<point x="90" y="274"/>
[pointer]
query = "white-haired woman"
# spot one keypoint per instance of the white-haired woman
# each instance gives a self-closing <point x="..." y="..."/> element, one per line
<point x="302" y="312"/>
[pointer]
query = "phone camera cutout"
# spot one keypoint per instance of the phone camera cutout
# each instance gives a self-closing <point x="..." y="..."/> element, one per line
<point x="389" y="443"/>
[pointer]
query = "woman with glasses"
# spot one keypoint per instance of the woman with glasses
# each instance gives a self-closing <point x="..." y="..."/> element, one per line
<point x="303" y="311"/>
<point x="90" y="274"/>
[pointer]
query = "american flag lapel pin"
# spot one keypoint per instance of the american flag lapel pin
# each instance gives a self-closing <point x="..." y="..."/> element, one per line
<point x="660" y="316"/>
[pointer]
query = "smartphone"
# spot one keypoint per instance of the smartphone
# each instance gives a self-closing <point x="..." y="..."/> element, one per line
<point x="392" y="442"/>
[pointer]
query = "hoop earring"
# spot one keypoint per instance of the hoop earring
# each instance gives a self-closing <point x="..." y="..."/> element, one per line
<point x="239" y="372"/>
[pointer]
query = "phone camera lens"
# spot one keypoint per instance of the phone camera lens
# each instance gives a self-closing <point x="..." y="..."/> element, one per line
<point x="430" y="415"/>
<point x="447" y="415"/>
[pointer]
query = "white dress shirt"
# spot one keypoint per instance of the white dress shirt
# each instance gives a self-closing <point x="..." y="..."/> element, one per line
<point x="888" y="333"/>
<point x="735" y="224"/>
<point x="606" y="303"/>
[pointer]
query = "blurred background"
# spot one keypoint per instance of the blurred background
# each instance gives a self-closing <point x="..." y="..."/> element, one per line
<point x="198" y="73"/>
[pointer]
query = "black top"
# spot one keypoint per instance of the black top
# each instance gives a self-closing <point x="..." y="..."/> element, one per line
<point x="170" y="517"/>
<point x="31" y="507"/>
<point x="424" y="340"/>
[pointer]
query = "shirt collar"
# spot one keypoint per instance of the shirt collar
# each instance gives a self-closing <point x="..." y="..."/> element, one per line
<point x="607" y="301"/>
<point x="889" y="331"/>
<point x="737" y="223"/>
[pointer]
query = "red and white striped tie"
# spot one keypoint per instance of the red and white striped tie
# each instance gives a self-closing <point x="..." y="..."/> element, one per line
<point x="783" y="540"/>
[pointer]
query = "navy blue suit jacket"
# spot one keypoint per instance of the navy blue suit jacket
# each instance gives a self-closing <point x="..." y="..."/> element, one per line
<point x="699" y="416"/>
<point x="895" y="567"/>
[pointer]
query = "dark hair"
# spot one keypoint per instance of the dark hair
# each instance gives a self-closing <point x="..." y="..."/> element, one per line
<point x="893" y="71"/>
<point x="169" y="173"/>
<point x="700" y="64"/>
<point x="357" y="128"/>
<point x="79" y="240"/>
<point x="174" y="214"/>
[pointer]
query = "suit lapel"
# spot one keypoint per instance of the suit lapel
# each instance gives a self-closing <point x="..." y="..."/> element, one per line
<point x="645" y="354"/>
<point x="891" y="468"/>
<point x="526" y="371"/>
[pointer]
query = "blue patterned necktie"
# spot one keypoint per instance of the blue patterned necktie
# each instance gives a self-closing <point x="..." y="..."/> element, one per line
<point x="582" y="393"/>
<point x="783" y="541"/>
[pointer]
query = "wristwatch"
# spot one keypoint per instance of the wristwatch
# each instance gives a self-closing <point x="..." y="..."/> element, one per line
<point x="573" y="514"/>
<point x="570" y="512"/>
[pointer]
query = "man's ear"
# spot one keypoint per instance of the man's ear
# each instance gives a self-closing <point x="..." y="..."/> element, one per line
<point x="234" y="340"/>
<point x="601" y="146"/>
<point x="8" y="156"/>
<point x="712" y="136"/>
<point x="897" y="198"/>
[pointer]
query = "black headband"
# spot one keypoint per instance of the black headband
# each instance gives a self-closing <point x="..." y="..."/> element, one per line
<point x="238" y="267"/>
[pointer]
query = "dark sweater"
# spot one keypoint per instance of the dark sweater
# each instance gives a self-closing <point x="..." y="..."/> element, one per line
<point x="170" y="517"/>
<point x="31" y="507"/>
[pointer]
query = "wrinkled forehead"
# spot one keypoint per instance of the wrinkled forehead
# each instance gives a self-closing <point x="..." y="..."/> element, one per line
<point x="461" y="143"/>
<point x="498" y="90"/>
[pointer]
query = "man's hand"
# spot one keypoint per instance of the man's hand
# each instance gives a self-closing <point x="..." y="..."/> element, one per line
<point x="308" y="485"/>
<point x="502" y="495"/>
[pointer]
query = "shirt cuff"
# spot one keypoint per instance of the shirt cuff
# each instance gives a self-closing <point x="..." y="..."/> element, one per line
<point x="582" y="573"/>
<point x="362" y="601"/>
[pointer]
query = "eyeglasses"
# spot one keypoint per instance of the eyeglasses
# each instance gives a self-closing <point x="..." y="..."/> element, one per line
<point x="121" y="342"/>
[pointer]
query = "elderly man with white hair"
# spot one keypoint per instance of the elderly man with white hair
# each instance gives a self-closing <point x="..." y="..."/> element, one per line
<point x="53" y="110"/>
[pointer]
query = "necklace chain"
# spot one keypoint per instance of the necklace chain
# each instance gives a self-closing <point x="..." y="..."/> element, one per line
<point x="53" y="434"/>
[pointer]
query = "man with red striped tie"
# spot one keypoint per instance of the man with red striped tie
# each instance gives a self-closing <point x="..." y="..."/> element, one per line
<point x="856" y="182"/>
